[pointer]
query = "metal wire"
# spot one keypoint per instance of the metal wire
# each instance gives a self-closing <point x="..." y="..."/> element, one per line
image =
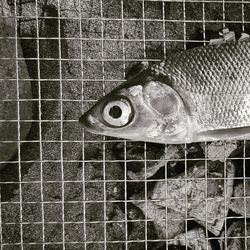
<point x="103" y="142"/>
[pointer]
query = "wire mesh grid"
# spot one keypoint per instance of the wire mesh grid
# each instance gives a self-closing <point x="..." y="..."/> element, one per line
<point x="67" y="189"/>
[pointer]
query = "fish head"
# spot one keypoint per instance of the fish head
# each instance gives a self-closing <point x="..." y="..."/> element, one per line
<point x="143" y="108"/>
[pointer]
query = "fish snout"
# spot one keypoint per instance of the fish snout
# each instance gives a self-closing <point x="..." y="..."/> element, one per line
<point x="86" y="121"/>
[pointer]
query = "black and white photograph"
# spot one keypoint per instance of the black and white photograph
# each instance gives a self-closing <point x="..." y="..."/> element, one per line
<point x="124" y="124"/>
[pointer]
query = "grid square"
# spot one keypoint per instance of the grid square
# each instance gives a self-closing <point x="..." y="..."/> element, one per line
<point x="72" y="89"/>
<point x="53" y="232"/>
<point x="112" y="29"/>
<point x="8" y="189"/>
<point x="35" y="195"/>
<point x="153" y="10"/>
<point x="50" y="89"/>
<point x="133" y="50"/>
<point x="132" y="10"/>
<point x="22" y="69"/>
<point x="72" y="12"/>
<point x="71" y="69"/>
<point x="94" y="211"/>
<point x="72" y="150"/>
<point x="213" y="11"/>
<point x="139" y="230"/>
<point x="174" y="30"/>
<point x="115" y="231"/>
<point x="52" y="212"/>
<point x="8" y="68"/>
<point x="53" y="44"/>
<point x="72" y="171"/>
<point x="92" y="70"/>
<point x="50" y="110"/>
<point x="95" y="232"/>
<point x="32" y="212"/>
<point x="91" y="49"/>
<point x="113" y="70"/>
<point x="51" y="151"/>
<point x="111" y="9"/>
<point x="112" y="49"/>
<point x="91" y="28"/>
<point x="247" y="12"/>
<point x="8" y="105"/>
<point x="32" y="233"/>
<point x="73" y="212"/>
<point x="71" y="110"/>
<point x="115" y="191"/>
<point x="70" y="48"/>
<point x="8" y="32"/>
<point x="8" y="88"/>
<point x="174" y="11"/>
<point x="49" y="69"/>
<point x="51" y="131"/>
<point x="194" y="11"/>
<point x="153" y="30"/>
<point x="154" y="49"/>
<point x="11" y="233"/>
<point x="52" y="191"/>
<point x="133" y="29"/>
<point x="29" y="47"/>
<point x="90" y="9"/>
<point x="93" y="171"/>
<point x="75" y="131"/>
<point x="74" y="232"/>
<point x="94" y="191"/>
<point x="93" y="151"/>
<point x="11" y="133"/>
<point x="233" y="11"/>
<point x="10" y="213"/>
<point x="25" y="87"/>
<point x="74" y="191"/>
<point x="29" y="131"/>
<point x="115" y="170"/>
<point x="25" y="109"/>
<point x="51" y="171"/>
<point x="74" y="25"/>
<point x="92" y="90"/>
<point x="11" y="43"/>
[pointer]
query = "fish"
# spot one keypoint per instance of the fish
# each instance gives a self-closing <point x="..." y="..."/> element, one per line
<point x="194" y="95"/>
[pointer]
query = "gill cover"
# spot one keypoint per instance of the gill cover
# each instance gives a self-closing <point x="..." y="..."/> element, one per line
<point x="161" y="99"/>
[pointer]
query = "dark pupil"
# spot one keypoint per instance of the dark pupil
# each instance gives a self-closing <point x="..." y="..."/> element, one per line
<point x="115" y="112"/>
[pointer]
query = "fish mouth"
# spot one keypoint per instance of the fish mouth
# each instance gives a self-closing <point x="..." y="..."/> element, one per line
<point x="87" y="121"/>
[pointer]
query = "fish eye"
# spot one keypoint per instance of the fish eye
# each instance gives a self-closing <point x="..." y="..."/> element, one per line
<point x="117" y="113"/>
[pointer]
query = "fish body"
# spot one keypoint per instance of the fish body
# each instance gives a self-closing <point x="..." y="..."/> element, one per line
<point x="194" y="95"/>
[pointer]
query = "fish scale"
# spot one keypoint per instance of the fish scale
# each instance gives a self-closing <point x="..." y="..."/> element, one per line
<point x="217" y="78"/>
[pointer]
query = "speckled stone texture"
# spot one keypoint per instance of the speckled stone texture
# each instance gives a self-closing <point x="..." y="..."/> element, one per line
<point x="9" y="72"/>
<point x="62" y="91"/>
